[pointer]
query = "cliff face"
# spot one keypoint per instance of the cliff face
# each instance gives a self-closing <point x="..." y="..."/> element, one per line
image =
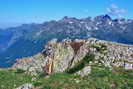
<point x="77" y="57"/>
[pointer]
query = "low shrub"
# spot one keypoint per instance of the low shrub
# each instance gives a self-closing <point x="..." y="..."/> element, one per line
<point x="19" y="71"/>
<point x="38" y="83"/>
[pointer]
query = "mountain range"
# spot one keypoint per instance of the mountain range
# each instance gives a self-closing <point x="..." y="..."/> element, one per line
<point x="29" y="39"/>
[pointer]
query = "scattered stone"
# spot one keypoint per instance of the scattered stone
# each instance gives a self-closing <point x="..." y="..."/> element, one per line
<point x="85" y="71"/>
<point x="26" y="86"/>
<point x="34" y="78"/>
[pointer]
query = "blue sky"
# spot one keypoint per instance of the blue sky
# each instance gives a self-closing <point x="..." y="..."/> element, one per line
<point x="16" y="12"/>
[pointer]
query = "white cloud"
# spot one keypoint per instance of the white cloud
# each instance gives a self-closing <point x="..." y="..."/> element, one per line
<point x="116" y="11"/>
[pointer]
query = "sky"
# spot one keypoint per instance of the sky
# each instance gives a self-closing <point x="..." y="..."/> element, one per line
<point x="16" y="12"/>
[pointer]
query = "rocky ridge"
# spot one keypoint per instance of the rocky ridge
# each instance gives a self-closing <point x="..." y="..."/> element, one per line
<point x="77" y="57"/>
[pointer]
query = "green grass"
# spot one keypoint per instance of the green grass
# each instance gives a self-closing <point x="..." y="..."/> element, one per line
<point x="105" y="79"/>
<point x="100" y="78"/>
<point x="10" y="79"/>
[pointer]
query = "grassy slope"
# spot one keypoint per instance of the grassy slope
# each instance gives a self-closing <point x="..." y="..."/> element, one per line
<point x="11" y="79"/>
<point x="100" y="78"/>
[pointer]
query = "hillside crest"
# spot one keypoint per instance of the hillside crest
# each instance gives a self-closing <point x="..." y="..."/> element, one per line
<point x="77" y="57"/>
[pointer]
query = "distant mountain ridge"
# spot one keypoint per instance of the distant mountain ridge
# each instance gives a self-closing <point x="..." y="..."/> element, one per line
<point x="29" y="39"/>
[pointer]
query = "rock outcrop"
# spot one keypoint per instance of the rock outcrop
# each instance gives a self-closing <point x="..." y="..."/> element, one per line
<point x="32" y="64"/>
<point x="67" y="55"/>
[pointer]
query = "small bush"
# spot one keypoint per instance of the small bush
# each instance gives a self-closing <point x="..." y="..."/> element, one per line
<point x="42" y="74"/>
<point x="19" y="71"/>
<point x="37" y="83"/>
<point x="100" y="47"/>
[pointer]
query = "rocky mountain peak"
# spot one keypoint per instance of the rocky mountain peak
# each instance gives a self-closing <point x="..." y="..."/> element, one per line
<point x="69" y="19"/>
<point x="107" y="17"/>
<point x="103" y="18"/>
